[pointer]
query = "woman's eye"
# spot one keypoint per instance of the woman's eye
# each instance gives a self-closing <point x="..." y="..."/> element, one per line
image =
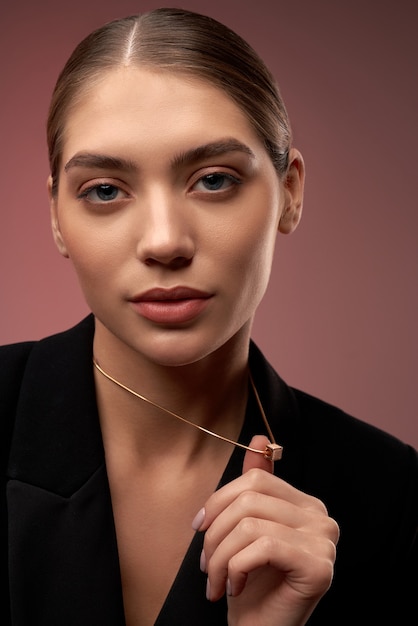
<point x="216" y="182"/>
<point x="103" y="193"/>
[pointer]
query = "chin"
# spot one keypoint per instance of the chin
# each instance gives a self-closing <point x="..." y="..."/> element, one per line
<point x="177" y="350"/>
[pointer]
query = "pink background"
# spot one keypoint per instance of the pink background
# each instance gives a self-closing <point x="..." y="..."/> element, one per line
<point x="339" y="319"/>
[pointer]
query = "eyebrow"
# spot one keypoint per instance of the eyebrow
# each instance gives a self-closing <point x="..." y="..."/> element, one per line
<point x="213" y="149"/>
<point x="99" y="161"/>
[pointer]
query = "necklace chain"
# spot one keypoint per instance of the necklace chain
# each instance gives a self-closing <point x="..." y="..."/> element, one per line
<point x="272" y="451"/>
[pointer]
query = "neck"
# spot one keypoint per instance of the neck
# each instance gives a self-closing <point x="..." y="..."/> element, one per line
<point x="211" y="394"/>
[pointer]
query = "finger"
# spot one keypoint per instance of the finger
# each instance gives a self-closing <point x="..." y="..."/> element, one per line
<point x="254" y="516"/>
<point x="255" y="460"/>
<point x="255" y="481"/>
<point x="246" y="533"/>
<point x="308" y="572"/>
<point x="258" y="506"/>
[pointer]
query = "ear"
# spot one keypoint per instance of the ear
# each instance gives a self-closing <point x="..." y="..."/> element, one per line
<point x="293" y="191"/>
<point x="56" y="231"/>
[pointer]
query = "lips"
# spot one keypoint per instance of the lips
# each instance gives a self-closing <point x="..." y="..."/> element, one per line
<point x="177" y="305"/>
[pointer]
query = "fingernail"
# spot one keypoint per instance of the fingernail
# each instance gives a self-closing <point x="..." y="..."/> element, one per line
<point x="228" y="587"/>
<point x="203" y="561"/>
<point x="198" y="520"/>
<point x="208" y="589"/>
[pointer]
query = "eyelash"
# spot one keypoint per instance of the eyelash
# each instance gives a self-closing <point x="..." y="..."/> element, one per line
<point x="86" y="192"/>
<point x="216" y="176"/>
<point x="233" y="180"/>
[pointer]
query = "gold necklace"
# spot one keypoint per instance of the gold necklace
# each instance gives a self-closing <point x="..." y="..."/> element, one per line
<point x="272" y="451"/>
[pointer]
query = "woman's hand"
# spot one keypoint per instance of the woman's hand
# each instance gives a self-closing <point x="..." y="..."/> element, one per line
<point x="268" y="545"/>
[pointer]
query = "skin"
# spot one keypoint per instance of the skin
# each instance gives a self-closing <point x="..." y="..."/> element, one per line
<point x="180" y="213"/>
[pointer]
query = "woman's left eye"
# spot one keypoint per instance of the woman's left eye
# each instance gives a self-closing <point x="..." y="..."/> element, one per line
<point x="102" y="193"/>
<point x="216" y="182"/>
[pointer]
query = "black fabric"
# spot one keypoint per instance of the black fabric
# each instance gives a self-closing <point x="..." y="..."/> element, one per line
<point x="63" y="561"/>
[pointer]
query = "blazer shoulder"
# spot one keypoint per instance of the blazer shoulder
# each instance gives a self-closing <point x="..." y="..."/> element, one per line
<point x="364" y="458"/>
<point x="13" y="359"/>
<point x="19" y="359"/>
<point x="341" y="426"/>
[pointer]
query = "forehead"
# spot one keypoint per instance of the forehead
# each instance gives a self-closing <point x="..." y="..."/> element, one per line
<point x="133" y="108"/>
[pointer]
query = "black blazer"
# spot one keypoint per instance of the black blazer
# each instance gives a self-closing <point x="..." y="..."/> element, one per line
<point x="63" y="562"/>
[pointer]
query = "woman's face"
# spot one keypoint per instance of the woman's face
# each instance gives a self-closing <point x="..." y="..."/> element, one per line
<point x="168" y="206"/>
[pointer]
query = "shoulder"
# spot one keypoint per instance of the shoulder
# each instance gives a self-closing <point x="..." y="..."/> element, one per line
<point x="17" y="358"/>
<point x="13" y="356"/>
<point x="368" y="480"/>
<point x="367" y="477"/>
<point x="348" y="437"/>
<point x="32" y="365"/>
<point x="321" y="429"/>
<point x="351" y="456"/>
<point x="362" y="473"/>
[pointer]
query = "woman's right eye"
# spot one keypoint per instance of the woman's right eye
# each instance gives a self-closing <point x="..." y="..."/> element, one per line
<point x="103" y="192"/>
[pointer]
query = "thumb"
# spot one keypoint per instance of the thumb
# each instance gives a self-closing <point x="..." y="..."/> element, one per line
<point x="253" y="459"/>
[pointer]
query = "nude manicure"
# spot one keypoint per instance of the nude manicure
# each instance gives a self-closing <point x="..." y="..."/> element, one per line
<point x="198" y="520"/>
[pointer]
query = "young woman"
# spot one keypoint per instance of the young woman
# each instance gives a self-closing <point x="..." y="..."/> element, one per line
<point x="158" y="471"/>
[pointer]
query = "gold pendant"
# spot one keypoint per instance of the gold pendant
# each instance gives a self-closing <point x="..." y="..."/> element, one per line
<point x="273" y="452"/>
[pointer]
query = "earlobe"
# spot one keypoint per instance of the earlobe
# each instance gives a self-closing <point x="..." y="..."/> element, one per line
<point x="293" y="190"/>
<point x="56" y="231"/>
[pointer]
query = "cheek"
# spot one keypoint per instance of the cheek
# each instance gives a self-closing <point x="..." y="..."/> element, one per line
<point x="93" y="256"/>
<point x="97" y="272"/>
<point x="259" y="241"/>
<point x="249" y="241"/>
<point x="91" y="243"/>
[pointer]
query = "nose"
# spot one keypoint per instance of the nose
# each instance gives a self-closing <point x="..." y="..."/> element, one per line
<point x="166" y="233"/>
